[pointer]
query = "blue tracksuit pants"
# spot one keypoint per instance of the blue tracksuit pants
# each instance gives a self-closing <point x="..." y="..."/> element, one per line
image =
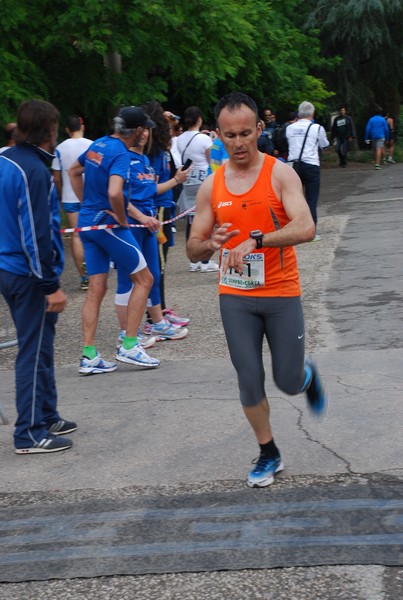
<point x="36" y="395"/>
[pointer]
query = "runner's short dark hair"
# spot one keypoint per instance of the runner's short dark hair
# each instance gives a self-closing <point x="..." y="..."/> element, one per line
<point x="74" y="123"/>
<point x="234" y="101"/>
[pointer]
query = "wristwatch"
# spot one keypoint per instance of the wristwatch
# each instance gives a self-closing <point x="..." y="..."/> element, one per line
<point x="257" y="235"/>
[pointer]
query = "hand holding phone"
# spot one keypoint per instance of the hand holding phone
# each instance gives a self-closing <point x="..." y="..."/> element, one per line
<point x="187" y="164"/>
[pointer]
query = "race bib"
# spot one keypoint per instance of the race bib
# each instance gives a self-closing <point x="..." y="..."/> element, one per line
<point x="252" y="276"/>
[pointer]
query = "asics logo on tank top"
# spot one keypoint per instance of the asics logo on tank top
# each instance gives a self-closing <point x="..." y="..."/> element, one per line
<point x="221" y="204"/>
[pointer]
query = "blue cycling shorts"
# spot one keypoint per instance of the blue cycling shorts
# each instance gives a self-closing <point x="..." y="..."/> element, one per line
<point x="71" y="207"/>
<point x="117" y="245"/>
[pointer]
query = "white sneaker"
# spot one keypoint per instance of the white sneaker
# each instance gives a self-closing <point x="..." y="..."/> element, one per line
<point x="96" y="365"/>
<point x="193" y="267"/>
<point x="137" y="356"/>
<point x="145" y="340"/>
<point x="168" y="331"/>
<point x="209" y="267"/>
<point x="174" y="319"/>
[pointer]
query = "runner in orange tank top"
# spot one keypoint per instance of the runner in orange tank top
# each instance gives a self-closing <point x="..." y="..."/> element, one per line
<point x="253" y="211"/>
<point x="258" y="208"/>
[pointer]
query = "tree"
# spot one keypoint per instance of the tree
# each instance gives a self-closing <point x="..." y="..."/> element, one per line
<point x="185" y="52"/>
<point x="368" y="37"/>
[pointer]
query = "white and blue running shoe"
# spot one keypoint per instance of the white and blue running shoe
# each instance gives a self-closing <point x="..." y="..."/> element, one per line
<point x="264" y="471"/>
<point x="137" y="356"/>
<point x="167" y="331"/>
<point x="145" y="340"/>
<point x="96" y="365"/>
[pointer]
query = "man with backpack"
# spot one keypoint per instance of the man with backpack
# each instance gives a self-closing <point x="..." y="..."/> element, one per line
<point x="305" y="138"/>
<point x="280" y="137"/>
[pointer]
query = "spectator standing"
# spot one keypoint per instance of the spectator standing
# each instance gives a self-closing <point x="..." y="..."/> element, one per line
<point x="104" y="195"/>
<point x="280" y="137"/>
<point x="196" y="146"/>
<point x="391" y="144"/>
<point x="31" y="262"/>
<point x="66" y="153"/>
<point x="169" y="179"/>
<point x="377" y="132"/>
<point x="305" y="138"/>
<point x="218" y="155"/>
<point x="343" y="132"/>
<point x="142" y="211"/>
<point x="270" y="126"/>
<point x="8" y="132"/>
<point x="265" y="142"/>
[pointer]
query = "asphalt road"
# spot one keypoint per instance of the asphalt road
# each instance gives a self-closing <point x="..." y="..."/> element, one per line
<point x="178" y="432"/>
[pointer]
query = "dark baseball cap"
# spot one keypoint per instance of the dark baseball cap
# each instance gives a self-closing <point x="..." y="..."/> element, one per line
<point x="134" y="117"/>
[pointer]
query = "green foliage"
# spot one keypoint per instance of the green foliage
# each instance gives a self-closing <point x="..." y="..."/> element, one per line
<point x="367" y="36"/>
<point x="184" y="52"/>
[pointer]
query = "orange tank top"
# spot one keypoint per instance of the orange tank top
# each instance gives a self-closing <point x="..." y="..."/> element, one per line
<point x="268" y="271"/>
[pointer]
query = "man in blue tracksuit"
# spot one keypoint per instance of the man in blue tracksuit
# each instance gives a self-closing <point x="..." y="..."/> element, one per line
<point x="377" y="131"/>
<point x="31" y="261"/>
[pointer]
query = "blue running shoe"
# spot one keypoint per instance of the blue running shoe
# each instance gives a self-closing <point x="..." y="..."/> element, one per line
<point x="315" y="393"/>
<point x="62" y="427"/>
<point x="50" y="443"/>
<point x="264" y="471"/>
<point x="96" y="365"/>
<point x="137" y="356"/>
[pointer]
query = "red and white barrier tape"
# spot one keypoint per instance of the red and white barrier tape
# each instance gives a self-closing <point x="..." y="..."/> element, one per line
<point x="115" y="225"/>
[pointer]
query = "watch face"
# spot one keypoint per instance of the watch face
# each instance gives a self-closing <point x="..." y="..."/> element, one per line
<point x="255" y="233"/>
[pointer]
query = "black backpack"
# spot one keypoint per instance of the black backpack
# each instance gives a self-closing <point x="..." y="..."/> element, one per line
<point x="280" y="139"/>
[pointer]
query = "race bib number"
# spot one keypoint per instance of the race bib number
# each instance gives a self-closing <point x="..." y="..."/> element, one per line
<point x="252" y="276"/>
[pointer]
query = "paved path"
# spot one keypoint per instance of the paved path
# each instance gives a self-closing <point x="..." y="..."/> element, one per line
<point x="178" y="431"/>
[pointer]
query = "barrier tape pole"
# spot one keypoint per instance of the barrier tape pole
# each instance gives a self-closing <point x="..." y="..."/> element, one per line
<point x="115" y="225"/>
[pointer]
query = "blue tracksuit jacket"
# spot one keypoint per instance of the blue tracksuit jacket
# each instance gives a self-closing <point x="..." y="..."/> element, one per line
<point x="30" y="245"/>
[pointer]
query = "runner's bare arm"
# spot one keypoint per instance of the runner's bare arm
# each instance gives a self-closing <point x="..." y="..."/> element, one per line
<point x="301" y="227"/>
<point x="204" y="240"/>
<point x="151" y="223"/>
<point x="76" y="178"/>
<point x="57" y="177"/>
<point x="116" y="199"/>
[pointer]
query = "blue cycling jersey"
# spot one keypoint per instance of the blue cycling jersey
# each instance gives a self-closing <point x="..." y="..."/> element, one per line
<point x="143" y="184"/>
<point x="107" y="156"/>
<point x="162" y="168"/>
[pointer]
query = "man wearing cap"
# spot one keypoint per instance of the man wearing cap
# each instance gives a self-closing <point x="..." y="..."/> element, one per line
<point x="104" y="196"/>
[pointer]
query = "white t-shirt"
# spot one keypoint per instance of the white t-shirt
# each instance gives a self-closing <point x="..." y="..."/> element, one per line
<point x="196" y="150"/>
<point x="174" y="151"/>
<point x="66" y="153"/>
<point x="316" y="138"/>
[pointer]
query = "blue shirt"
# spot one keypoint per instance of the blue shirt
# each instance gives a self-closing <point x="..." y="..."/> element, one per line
<point x="218" y="155"/>
<point x="161" y="164"/>
<point x="107" y="156"/>
<point x="377" y="129"/>
<point x="143" y="184"/>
